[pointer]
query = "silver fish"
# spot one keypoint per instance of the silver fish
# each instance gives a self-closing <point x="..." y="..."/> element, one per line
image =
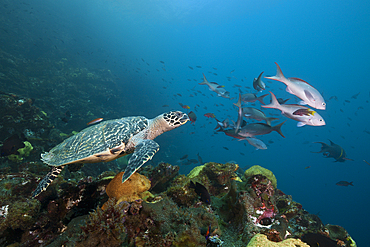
<point x="298" y="87"/>
<point x="257" y="143"/>
<point x="255" y="129"/>
<point x="250" y="112"/>
<point x="240" y="113"/>
<point x="251" y="97"/>
<point x="302" y="114"/>
<point x="215" y="87"/>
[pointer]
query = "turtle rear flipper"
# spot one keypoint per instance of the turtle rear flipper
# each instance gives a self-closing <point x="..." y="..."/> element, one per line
<point x="47" y="180"/>
<point x="144" y="151"/>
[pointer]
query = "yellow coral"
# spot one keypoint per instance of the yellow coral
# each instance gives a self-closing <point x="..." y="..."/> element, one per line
<point x="260" y="240"/>
<point x="195" y="172"/>
<point x="133" y="189"/>
<point x="26" y="150"/>
<point x="23" y="152"/>
<point x="255" y="170"/>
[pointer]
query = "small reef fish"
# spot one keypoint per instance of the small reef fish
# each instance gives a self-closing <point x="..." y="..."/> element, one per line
<point x="208" y="232"/>
<point x="344" y="183"/>
<point x="240" y="113"/>
<point x="184" y="157"/>
<point x="200" y="160"/>
<point x="367" y="162"/>
<point x="251" y="97"/>
<point x="333" y="151"/>
<point x="253" y="113"/>
<point x="298" y="87"/>
<point x="192" y="117"/>
<point x="257" y="143"/>
<point x="201" y="191"/>
<point x="215" y="87"/>
<point x="302" y="114"/>
<point x="258" y="84"/>
<point x="210" y="115"/>
<point x="98" y="120"/>
<point x="255" y="129"/>
<point x="184" y="106"/>
<point x="223" y="125"/>
<point x="165" y="105"/>
<point x="307" y="167"/>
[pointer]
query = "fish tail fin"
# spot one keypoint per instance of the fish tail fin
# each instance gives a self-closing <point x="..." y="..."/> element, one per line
<point x="204" y="82"/>
<point x="351" y="183"/>
<point x="260" y="99"/>
<point x="270" y="119"/>
<point x="274" y="102"/>
<point x="324" y="147"/>
<point x="277" y="128"/>
<point x="279" y="74"/>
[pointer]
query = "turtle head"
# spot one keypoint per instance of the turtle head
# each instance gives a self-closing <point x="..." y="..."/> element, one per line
<point x="175" y="119"/>
<point x="166" y="122"/>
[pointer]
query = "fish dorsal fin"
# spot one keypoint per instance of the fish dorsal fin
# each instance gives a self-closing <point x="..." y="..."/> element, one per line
<point x="299" y="79"/>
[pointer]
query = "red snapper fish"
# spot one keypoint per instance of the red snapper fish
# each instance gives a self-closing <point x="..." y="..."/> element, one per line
<point x="215" y="87"/>
<point x="298" y="87"/>
<point x="302" y="114"/>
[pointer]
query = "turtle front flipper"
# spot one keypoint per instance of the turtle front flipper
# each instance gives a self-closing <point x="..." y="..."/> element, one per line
<point x="47" y="180"/>
<point x="144" y="151"/>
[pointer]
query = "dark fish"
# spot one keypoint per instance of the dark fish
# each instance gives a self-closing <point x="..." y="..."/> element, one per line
<point x="68" y="114"/>
<point x="191" y="68"/>
<point x="184" y="157"/>
<point x="199" y="67"/>
<point x="161" y="62"/>
<point x="282" y="101"/>
<point x="12" y="144"/>
<point x="319" y="240"/>
<point x="344" y="183"/>
<point x="226" y="148"/>
<point x="258" y="84"/>
<point x="64" y="119"/>
<point x="192" y="116"/>
<point x="355" y="96"/>
<point x="201" y="191"/>
<point x="333" y="151"/>
<point x="165" y="105"/>
<point x="200" y="160"/>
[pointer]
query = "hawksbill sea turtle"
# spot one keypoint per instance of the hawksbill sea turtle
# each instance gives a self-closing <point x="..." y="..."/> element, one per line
<point x="110" y="140"/>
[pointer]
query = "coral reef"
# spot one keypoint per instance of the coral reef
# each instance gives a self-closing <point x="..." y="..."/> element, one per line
<point x="260" y="240"/>
<point x="133" y="189"/>
<point x="259" y="170"/>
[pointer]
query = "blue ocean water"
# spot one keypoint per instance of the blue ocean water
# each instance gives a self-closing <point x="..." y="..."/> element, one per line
<point x="325" y="43"/>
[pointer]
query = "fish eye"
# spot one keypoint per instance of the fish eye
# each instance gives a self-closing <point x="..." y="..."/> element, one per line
<point x="323" y="103"/>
